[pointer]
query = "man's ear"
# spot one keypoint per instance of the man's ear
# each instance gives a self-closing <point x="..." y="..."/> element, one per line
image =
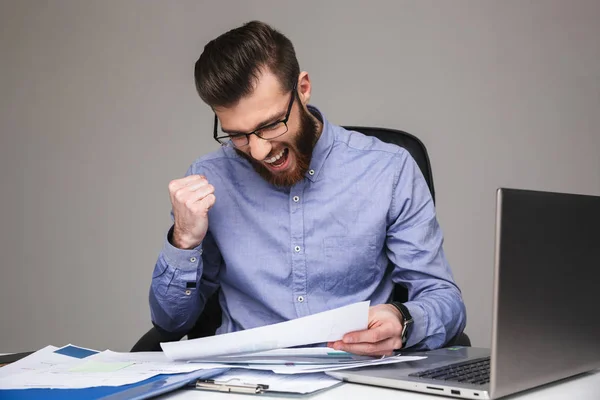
<point x="304" y="87"/>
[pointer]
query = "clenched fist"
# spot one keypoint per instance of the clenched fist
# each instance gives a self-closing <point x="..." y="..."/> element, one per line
<point x="191" y="198"/>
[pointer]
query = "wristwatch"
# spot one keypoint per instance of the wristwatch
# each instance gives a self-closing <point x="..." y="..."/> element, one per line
<point x="407" y="320"/>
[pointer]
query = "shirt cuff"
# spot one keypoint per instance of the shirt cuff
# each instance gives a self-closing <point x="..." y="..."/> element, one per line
<point x="418" y="329"/>
<point x="180" y="258"/>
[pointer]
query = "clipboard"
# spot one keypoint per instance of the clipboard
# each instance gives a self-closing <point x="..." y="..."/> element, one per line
<point x="251" y="385"/>
<point x="233" y="385"/>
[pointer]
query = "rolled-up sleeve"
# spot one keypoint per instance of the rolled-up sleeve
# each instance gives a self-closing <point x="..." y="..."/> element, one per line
<point x="414" y="245"/>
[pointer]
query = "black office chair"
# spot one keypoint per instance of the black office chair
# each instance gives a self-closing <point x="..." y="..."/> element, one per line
<point x="210" y="319"/>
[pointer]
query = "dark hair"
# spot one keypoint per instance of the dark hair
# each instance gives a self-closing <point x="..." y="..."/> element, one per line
<point x="230" y="65"/>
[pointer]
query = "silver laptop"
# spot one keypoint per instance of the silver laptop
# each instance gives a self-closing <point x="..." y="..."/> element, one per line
<point x="546" y="323"/>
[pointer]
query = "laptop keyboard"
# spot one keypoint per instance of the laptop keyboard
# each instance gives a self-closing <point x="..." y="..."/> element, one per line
<point x="473" y="371"/>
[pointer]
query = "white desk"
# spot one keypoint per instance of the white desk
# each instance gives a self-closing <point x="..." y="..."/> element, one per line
<point x="582" y="387"/>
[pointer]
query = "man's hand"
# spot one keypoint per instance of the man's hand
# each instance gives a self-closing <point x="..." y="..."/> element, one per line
<point x="191" y="198"/>
<point x="381" y="338"/>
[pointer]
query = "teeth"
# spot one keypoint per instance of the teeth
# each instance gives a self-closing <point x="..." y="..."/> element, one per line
<point x="275" y="158"/>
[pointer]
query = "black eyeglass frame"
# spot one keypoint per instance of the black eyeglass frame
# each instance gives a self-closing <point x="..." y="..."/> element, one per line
<point x="222" y="140"/>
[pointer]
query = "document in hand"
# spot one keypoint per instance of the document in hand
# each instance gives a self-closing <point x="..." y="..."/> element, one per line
<point x="317" y="328"/>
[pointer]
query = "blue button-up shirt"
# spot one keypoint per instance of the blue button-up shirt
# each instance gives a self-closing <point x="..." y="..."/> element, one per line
<point x="284" y="253"/>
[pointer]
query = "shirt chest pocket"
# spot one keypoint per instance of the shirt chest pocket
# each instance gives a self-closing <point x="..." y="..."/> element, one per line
<point x="350" y="262"/>
<point x="335" y="246"/>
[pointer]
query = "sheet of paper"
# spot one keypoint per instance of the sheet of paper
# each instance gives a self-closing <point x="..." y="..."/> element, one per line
<point x="96" y="366"/>
<point x="301" y="369"/>
<point x="302" y="384"/>
<point x="49" y="368"/>
<point x="301" y="355"/>
<point x="327" y="326"/>
<point x="153" y="361"/>
<point x="292" y="368"/>
<point x="300" y="351"/>
<point x="40" y="360"/>
<point x="70" y="380"/>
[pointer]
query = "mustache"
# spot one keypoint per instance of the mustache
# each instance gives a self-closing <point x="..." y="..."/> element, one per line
<point x="301" y="146"/>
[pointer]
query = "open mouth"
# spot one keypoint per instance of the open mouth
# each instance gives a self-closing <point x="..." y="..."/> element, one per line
<point x="279" y="161"/>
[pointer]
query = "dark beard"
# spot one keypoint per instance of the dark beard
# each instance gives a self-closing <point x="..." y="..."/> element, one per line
<point x="302" y="147"/>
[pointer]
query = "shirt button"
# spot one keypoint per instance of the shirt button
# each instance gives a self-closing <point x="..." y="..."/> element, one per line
<point x="296" y="199"/>
<point x="193" y="259"/>
<point x="297" y="249"/>
<point x="188" y="292"/>
<point x="300" y="299"/>
<point x="311" y="172"/>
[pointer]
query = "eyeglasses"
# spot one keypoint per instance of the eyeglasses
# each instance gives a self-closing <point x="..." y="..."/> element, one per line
<point x="267" y="132"/>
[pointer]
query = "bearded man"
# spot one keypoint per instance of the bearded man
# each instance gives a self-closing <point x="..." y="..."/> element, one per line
<point x="294" y="215"/>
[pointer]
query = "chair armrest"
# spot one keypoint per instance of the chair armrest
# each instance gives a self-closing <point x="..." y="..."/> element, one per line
<point x="462" y="339"/>
<point x="152" y="339"/>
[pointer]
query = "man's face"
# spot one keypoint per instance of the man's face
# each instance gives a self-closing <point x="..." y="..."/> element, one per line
<point x="282" y="161"/>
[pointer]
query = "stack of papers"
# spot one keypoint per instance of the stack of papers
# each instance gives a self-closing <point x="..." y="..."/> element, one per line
<point x="250" y="355"/>
<point x="267" y="347"/>
<point x="67" y="373"/>
<point x="50" y="368"/>
<point x="304" y="360"/>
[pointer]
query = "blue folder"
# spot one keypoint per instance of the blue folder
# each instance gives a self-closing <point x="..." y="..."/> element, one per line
<point x="151" y="387"/>
<point x="148" y="388"/>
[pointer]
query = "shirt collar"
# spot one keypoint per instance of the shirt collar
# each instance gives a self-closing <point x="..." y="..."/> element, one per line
<point x="322" y="147"/>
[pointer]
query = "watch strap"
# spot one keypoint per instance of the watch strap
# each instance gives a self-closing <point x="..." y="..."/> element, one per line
<point x="407" y="320"/>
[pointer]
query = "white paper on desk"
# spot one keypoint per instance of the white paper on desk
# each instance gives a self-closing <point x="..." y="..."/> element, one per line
<point x="70" y="380"/>
<point x="307" y="369"/>
<point x="296" y="351"/>
<point x="326" y="326"/>
<point x="324" y="368"/>
<point x="151" y="362"/>
<point x="295" y="355"/>
<point x="301" y="384"/>
<point x="41" y="359"/>
<point x="47" y="369"/>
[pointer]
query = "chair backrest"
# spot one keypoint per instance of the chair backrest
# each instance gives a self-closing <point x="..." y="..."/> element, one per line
<point x="415" y="147"/>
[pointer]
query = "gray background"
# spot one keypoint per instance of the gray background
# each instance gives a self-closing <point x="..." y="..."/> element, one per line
<point x="98" y="112"/>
